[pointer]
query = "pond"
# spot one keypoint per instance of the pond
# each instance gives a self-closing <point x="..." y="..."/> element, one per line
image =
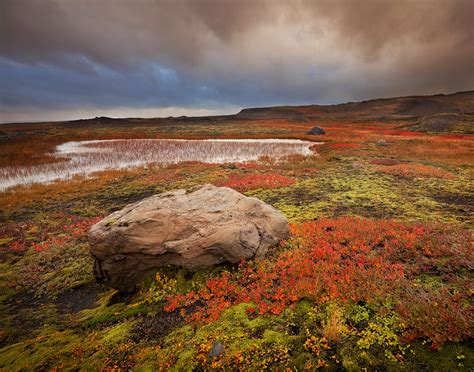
<point x="87" y="157"/>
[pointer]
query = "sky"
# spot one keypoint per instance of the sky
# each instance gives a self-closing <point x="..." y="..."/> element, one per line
<point x="70" y="59"/>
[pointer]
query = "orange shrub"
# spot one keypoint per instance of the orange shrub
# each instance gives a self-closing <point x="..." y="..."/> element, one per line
<point x="58" y="230"/>
<point x="246" y="182"/>
<point x="411" y="170"/>
<point x="352" y="260"/>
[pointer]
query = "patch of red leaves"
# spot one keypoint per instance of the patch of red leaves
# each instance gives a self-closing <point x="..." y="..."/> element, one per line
<point x="457" y="136"/>
<point x="246" y="182"/>
<point x="350" y="260"/>
<point x="58" y="231"/>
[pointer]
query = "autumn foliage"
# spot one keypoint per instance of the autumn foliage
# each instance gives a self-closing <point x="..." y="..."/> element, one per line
<point x="246" y="182"/>
<point x="57" y="231"/>
<point x="411" y="170"/>
<point x="352" y="260"/>
<point x="344" y="145"/>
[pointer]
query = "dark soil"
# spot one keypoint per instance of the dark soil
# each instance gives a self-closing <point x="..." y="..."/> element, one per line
<point x="155" y="326"/>
<point x="78" y="299"/>
<point x="455" y="199"/>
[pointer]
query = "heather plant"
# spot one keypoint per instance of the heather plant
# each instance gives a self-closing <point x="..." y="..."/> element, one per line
<point x="350" y="260"/>
<point x="160" y="289"/>
<point x="246" y="182"/>
<point x="54" y="269"/>
<point x="415" y="170"/>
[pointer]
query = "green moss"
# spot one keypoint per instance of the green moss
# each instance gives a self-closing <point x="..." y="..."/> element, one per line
<point x="117" y="333"/>
<point x="106" y="313"/>
<point x="451" y="357"/>
<point x="53" y="271"/>
<point x="111" y="222"/>
<point x="342" y="190"/>
<point x="46" y="350"/>
<point x="234" y="329"/>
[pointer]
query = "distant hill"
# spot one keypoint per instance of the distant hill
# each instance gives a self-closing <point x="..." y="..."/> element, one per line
<point x="436" y="113"/>
<point x="390" y="108"/>
<point x="446" y="122"/>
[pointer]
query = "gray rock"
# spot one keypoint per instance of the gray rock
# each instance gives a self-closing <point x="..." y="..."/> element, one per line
<point x="357" y="165"/>
<point x="198" y="229"/>
<point x="381" y="143"/>
<point x="317" y="130"/>
<point x="217" y="349"/>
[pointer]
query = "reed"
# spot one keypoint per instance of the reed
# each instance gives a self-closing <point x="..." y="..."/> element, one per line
<point x="83" y="158"/>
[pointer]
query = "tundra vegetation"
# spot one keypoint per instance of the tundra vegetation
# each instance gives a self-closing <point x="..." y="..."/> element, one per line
<point x="377" y="274"/>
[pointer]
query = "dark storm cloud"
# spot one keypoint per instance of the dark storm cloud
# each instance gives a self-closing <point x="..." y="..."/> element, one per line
<point x="203" y="53"/>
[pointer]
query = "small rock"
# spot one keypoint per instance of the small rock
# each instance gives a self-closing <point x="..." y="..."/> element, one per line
<point x="317" y="130"/>
<point x="381" y="143"/>
<point x="357" y="165"/>
<point x="217" y="349"/>
<point x="230" y="166"/>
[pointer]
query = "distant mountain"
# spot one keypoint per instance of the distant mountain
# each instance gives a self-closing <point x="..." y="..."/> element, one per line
<point x="390" y="108"/>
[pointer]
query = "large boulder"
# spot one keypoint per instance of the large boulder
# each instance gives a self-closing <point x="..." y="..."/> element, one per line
<point x="195" y="230"/>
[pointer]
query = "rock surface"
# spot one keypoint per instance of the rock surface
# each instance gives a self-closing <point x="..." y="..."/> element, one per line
<point x="195" y="230"/>
<point x="217" y="349"/>
<point x="317" y="130"/>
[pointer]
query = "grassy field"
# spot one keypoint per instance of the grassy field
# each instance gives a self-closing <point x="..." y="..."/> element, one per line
<point x="377" y="274"/>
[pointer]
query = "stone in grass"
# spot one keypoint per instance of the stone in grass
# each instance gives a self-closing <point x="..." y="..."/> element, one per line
<point x="216" y="350"/>
<point x="317" y="130"/>
<point x="357" y="165"/>
<point x="197" y="229"/>
<point x="381" y="143"/>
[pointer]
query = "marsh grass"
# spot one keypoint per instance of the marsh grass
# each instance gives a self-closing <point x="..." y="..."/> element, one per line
<point x="87" y="157"/>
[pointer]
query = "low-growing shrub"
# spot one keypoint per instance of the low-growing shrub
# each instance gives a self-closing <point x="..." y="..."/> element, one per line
<point x="387" y="162"/>
<point x="411" y="170"/>
<point x="350" y="261"/>
<point x="54" y="270"/>
<point x="246" y="182"/>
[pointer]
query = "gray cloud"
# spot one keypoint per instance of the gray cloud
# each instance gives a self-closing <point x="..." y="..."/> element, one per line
<point x="147" y="53"/>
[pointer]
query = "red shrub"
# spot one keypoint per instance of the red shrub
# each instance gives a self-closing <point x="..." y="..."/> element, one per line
<point x="58" y="230"/>
<point x="456" y="136"/>
<point x="353" y="260"/>
<point x="246" y="182"/>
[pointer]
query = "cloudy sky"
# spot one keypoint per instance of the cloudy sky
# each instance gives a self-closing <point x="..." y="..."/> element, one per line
<point x="66" y="59"/>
